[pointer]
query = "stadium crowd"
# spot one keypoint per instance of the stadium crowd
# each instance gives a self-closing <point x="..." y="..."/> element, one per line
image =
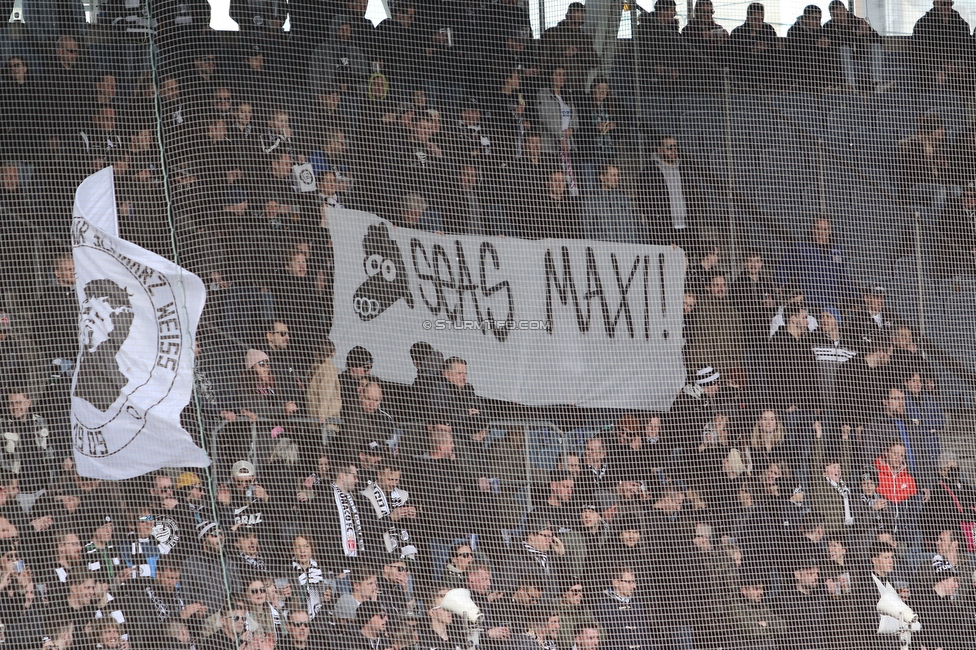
<point x="800" y="465"/>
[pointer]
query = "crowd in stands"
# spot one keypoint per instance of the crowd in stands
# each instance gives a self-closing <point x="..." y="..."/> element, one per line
<point x="801" y="465"/>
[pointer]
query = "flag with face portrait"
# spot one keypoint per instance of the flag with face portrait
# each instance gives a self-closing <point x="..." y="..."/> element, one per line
<point x="136" y="328"/>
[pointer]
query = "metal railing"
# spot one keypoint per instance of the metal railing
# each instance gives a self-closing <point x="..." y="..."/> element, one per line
<point x="252" y="424"/>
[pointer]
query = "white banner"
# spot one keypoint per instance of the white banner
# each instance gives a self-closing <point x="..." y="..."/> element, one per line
<point x="137" y="324"/>
<point x="594" y="324"/>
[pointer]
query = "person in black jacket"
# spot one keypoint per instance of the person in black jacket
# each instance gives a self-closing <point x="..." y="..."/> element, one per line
<point x="553" y="214"/>
<point x="946" y="621"/>
<point x="854" y="40"/>
<point x="150" y="603"/>
<point x="70" y="93"/>
<point x="753" y="294"/>
<point x="20" y="104"/>
<point x="399" y="46"/>
<point x="286" y="365"/>
<point x="232" y="633"/>
<point x="953" y="504"/>
<point x="622" y="617"/>
<point x="943" y="48"/>
<point x="669" y="199"/>
<point x="709" y="48"/>
<point x="58" y="348"/>
<point x="793" y="384"/>
<point x="815" y="63"/>
<point x="958" y="233"/>
<point x="804" y="606"/>
<point x="359" y="363"/>
<point x="661" y="46"/>
<point x="458" y="401"/>
<point x="862" y="384"/>
<point x="541" y="557"/>
<point x="442" y="494"/>
<point x="568" y="46"/>
<point x="757" y="55"/>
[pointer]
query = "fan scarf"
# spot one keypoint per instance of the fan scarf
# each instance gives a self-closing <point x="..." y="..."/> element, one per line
<point x="395" y="537"/>
<point x="310" y="579"/>
<point x="845" y="494"/>
<point x="352" y="528"/>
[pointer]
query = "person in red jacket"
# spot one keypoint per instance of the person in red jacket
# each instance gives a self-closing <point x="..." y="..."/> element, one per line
<point x="897" y="486"/>
<point x="894" y="482"/>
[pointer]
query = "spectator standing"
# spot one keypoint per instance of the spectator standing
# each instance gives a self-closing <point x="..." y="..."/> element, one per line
<point x="709" y="48"/>
<point x="950" y="625"/>
<point x="608" y="215"/>
<point x="856" y="42"/>
<point x="831" y="497"/>
<point x="28" y="451"/>
<point x="323" y="400"/>
<point x="953" y="504"/>
<point x="202" y="575"/>
<point x="394" y="521"/>
<point x="557" y="214"/>
<point x="365" y="589"/>
<point x="599" y="132"/>
<point x="958" y="233"/>
<point x="794" y="390"/>
<point x="559" y="121"/>
<point x="942" y="47"/>
<point x="70" y="93"/>
<point x="862" y="387"/>
<point x="669" y="198"/>
<point x="660" y="43"/>
<point x="752" y="621"/>
<point x="818" y="267"/>
<point x="803" y="607"/>
<point x="21" y="102"/>
<point x="815" y="64"/>
<point x="717" y="337"/>
<point x="757" y="54"/>
<point x="922" y="451"/>
<point x="568" y="46"/>
<point x="343" y="531"/>
<point x="286" y="365"/>
<point x="457" y="400"/>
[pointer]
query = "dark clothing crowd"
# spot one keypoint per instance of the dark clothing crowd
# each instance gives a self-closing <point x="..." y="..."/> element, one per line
<point x="800" y="478"/>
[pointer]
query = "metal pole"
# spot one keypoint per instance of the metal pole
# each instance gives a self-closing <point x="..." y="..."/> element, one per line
<point x="528" y="468"/>
<point x="730" y="174"/>
<point x="542" y="17"/>
<point x="253" y="454"/>
<point x="638" y="90"/>
<point x="918" y="272"/>
<point x="213" y="438"/>
<point x="821" y="178"/>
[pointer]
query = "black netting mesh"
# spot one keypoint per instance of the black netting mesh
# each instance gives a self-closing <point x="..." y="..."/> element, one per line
<point x="712" y="280"/>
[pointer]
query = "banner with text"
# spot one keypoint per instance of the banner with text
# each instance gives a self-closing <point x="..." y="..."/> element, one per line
<point x="136" y="330"/>
<point x="595" y="324"/>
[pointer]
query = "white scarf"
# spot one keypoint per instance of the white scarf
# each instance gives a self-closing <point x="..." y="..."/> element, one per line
<point x="162" y="611"/>
<point x="613" y="594"/>
<point x="352" y="528"/>
<point x="845" y="494"/>
<point x="381" y="504"/>
<point x="538" y="556"/>
<point x="396" y="537"/>
<point x="310" y="578"/>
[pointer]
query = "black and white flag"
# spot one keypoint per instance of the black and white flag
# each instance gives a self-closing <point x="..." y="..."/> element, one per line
<point x="136" y="329"/>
